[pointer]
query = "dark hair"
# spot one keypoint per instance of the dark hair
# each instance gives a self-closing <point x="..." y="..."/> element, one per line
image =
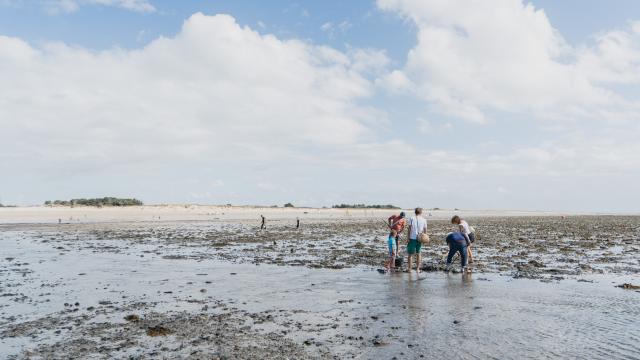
<point x="418" y="211"/>
<point x="402" y="214"/>
<point x="455" y="219"/>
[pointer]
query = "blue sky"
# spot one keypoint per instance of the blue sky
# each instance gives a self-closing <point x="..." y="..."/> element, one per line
<point x="103" y="27"/>
<point x="432" y="103"/>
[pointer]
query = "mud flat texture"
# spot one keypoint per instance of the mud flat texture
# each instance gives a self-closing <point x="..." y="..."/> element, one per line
<point x="541" y="287"/>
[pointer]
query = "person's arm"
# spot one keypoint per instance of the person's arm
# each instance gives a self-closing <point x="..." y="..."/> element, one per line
<point x="466" y="236"/>
<point x="409" y="232"/>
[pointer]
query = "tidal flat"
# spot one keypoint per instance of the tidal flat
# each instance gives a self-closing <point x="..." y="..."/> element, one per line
<point x="541" y="287"/>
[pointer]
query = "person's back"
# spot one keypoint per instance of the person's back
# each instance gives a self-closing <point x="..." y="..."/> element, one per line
<point x="464" y="226"/>
<point x="456" y="237"/>
<point x="417" y="224"/>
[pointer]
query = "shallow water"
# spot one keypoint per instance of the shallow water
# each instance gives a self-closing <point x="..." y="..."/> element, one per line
<point x="376" y="315"/>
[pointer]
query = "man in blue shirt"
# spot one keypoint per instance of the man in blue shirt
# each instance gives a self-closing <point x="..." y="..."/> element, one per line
<point x="457" y="243"/>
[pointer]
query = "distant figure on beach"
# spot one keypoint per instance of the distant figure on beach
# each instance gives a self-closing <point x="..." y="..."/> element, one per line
<point x="263" y="225"/>
<point x="417" y="226"/>
<point x="59" y="221"/>
<point x="397" y="224"/>
<point x="457" y="243"/>
<point x="297" y="223"/>
<point x="469" y="235"/>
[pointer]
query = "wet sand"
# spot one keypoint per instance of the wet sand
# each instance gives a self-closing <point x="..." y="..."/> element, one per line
<point x="541" y="287"/>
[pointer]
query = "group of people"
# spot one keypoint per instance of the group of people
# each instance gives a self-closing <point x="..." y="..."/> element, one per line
<point x="460" y="240"/>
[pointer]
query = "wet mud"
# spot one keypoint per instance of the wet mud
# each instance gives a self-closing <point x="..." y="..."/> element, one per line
<point x="529" y="247"/>
<point x="205" y="290"/>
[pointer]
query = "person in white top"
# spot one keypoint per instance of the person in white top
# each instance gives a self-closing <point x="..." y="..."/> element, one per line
<point x="466" y="230"/>
<point x="417" y="226"/>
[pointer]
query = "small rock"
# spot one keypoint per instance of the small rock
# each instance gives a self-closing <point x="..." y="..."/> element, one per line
<point x="536" y="263"/>
<point x="132" y="318"/>
<point x="158" y="331"/>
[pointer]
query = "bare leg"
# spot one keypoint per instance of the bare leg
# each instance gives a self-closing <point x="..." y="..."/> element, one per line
<point x="418" y="262"/>
<point x="409" y="263"/>
<point x="469" y="254"/>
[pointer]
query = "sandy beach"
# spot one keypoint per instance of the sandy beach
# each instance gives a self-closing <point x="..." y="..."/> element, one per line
<point x="204" y="282"/>
<point x="191" y="212"/>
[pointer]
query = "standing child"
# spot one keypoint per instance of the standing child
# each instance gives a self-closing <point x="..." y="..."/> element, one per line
<point x="393" y="251"/>
<point x="466" y="230"/>
<point x="397" y="223"/>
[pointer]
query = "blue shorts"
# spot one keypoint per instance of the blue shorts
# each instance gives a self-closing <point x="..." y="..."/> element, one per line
<point x="391" y="242"/>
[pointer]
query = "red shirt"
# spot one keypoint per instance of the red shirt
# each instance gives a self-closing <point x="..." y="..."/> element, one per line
<point x="397" y="223"/>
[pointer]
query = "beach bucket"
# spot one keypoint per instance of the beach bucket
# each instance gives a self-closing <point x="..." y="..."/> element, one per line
<point x="399" y="261"/>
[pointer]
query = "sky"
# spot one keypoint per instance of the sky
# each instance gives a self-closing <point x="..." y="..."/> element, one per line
<point x="470" y="104"/>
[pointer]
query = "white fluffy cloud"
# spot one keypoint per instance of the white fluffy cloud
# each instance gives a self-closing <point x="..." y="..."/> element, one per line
<point x="214" y="88"/>
<point x="472" y="58"/>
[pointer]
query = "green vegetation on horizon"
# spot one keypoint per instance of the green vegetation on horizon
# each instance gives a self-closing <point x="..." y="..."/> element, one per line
<point x="105" y="201"/>
<point x="363" y="206"/>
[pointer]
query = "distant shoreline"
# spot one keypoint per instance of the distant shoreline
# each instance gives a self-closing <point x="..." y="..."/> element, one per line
<point x="243" y="213"/>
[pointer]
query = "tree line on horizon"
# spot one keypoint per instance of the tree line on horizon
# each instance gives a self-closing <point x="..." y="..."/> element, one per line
<point x="99" y="202"/>
<point x="363" y="206"/>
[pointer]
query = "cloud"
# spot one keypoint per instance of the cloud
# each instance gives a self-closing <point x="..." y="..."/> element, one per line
<point x="67" y="6"/>
<point x="216" y="93"/>
<point x="224" y="113"/>
<point x="427" y="127"/>
<point x="333" y="29"/>
<point x="472" y="60"/>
